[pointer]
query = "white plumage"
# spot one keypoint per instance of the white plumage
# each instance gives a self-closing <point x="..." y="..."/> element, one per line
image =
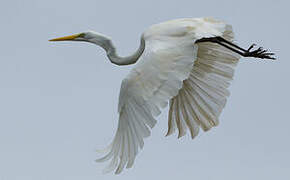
<point x="187" y="62"/>
<point x="194" y="78"/>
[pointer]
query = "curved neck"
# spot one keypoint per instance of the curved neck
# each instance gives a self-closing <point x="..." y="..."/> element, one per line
<point x="109" y="47"/>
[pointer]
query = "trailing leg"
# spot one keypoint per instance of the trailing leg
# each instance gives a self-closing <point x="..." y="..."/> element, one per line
<point x="258" y="53"/>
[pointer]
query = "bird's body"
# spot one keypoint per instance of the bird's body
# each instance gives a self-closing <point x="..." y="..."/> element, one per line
<point x="173" y="65"/>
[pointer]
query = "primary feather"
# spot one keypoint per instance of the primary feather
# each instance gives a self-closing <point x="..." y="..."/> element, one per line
<point x="193" y="77"/>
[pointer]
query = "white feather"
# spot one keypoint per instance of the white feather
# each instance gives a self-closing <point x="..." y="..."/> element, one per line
<point x="204" y="93"/>
<point x="172" y="67"/>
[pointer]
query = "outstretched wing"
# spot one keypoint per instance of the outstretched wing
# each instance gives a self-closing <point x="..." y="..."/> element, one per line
<point x="204" y="94"/>
<point x="155" y="79"/>
<point x="158" y="76"/>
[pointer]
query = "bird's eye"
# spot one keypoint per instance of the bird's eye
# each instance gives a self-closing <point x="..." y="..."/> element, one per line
<point x="82" y="35"/>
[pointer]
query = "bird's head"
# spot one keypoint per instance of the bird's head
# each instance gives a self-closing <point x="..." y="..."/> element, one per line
<point x="89" y="36"/>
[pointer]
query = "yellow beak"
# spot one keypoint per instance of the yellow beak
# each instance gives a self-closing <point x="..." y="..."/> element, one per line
<point x="66" y="38"/>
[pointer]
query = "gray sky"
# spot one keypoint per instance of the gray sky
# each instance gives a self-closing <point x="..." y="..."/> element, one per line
<point x="58" y="101"/>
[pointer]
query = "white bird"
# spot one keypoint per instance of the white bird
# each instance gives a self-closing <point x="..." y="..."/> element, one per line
<point x="186" y="62"/>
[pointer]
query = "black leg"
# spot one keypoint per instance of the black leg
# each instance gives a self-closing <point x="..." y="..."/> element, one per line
<point x="258" y="53"/>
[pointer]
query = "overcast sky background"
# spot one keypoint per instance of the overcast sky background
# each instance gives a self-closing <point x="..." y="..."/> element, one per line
<point x="58" y="101"/>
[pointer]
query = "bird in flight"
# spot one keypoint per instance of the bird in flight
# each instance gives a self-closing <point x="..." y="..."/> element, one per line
<point x="187" y="63"/>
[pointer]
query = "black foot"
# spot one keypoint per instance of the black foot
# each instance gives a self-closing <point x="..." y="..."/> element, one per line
<point x="258" y="53"/>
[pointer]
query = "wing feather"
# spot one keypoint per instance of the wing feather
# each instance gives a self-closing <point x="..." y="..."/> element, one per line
<point x="171" y="120"/>
<point x="204" y="93"/>
<point x="194" y="78"/>
<point x="156" y="78"/>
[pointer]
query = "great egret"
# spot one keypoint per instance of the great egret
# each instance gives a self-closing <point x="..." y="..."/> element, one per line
<point x="187" y="62"/>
